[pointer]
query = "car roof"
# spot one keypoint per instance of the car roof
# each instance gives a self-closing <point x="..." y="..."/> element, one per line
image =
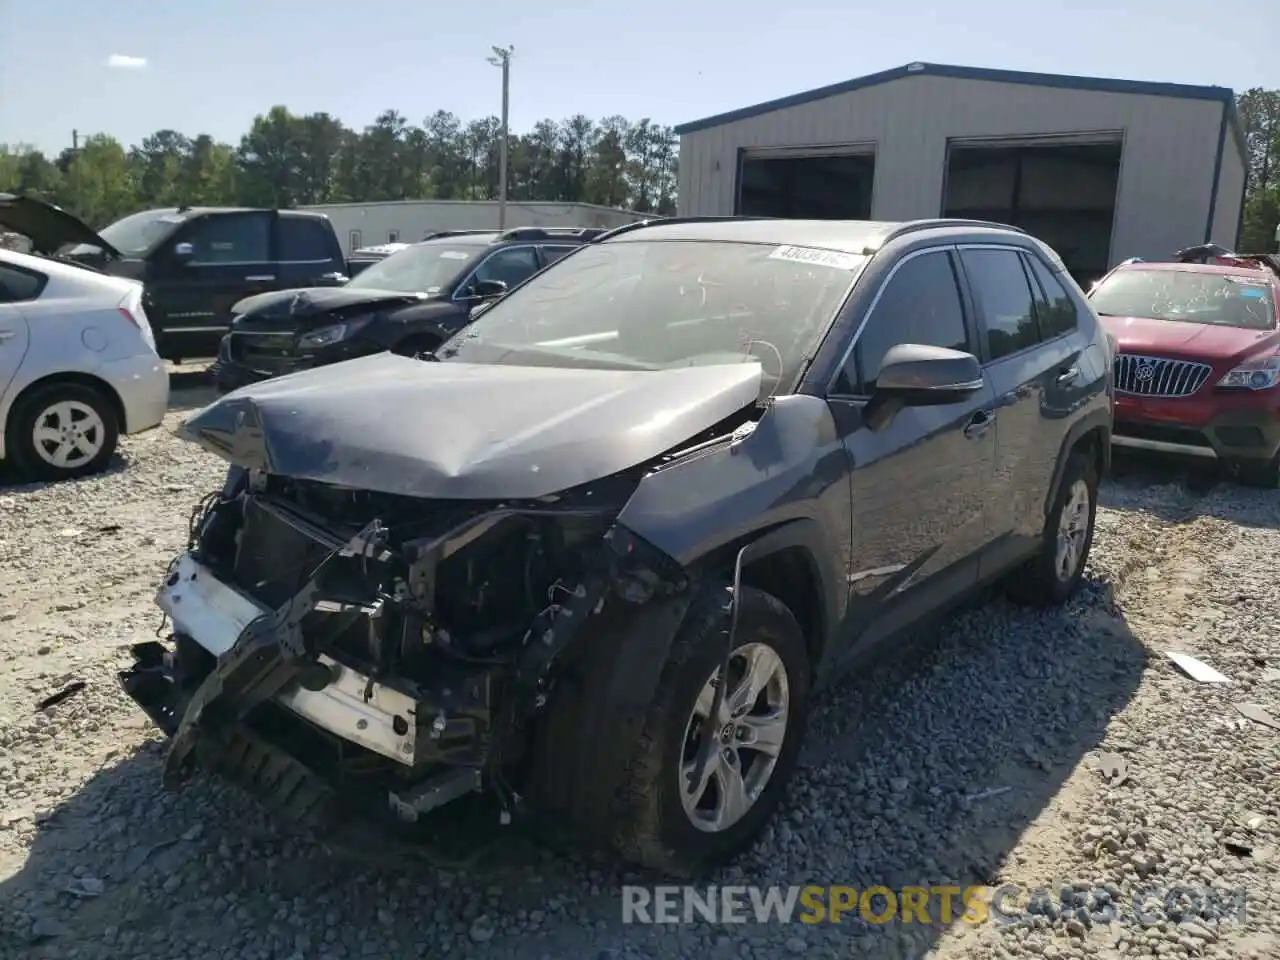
<point x="847" y="236"/>
<point x="1221" y="269"/>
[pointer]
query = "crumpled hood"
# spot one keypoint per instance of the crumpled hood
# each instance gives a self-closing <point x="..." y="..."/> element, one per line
<point x="1194" y="341"/>
<point x="466" y="431"/>
<point x="310" y="301"/>
<point x="46" y="226"/>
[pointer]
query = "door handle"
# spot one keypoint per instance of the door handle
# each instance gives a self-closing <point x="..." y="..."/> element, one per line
<point x="263" y="278"/>
<point x="7" y="335"/>
<point x="979" y="424"/>
<point x="1067" y="375"/>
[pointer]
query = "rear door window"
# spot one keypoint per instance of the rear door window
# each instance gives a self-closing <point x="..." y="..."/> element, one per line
<point x="303" y="240"/>
<point x="229" y="238"/>
<point x="18" y="285"/>
<point x="1054" y="306"/>
<point x="1003" y="292"/>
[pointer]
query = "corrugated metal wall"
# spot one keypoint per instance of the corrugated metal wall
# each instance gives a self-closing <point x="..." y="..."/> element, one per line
<point x="1170" y="147"/>
<point x="1226" y="215"/>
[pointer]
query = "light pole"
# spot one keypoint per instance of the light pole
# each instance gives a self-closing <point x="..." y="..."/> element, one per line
<point x="502" y="58"/>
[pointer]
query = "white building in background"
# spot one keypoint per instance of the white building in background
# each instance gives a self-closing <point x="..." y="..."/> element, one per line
<point x="408" y="221"/>
<point x="1100" y="169"/>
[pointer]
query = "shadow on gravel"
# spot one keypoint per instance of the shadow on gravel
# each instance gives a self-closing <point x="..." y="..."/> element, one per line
<point x="1205" y="490"/>
<point x="12" y="483"/>
<point x="928" y="769"/>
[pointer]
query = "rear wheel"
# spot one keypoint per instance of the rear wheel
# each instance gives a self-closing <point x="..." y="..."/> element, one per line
<point x="63" y="430"/>
<point x="1054" y="573"/>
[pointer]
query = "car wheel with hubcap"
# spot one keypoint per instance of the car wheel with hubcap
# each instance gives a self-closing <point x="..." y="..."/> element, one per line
<point x="619" y="754"/>
<point x="63" y="430"/>
<point x="1051" y="576"/>
<point x="725" y="765"/>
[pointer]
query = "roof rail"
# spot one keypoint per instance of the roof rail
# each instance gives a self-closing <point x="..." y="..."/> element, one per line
<point x="552" y="233"/>
<point x="914" y="226"/>
<point x="437" y="234"/>
<point x="652" y="221"/>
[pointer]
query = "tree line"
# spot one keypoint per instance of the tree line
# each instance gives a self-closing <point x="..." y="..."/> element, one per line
<point x="1260" y="117"/>
<point x="286" y="159"/>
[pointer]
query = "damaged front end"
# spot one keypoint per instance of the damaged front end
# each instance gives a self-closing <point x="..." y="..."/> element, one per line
<point x="334" y="648"/>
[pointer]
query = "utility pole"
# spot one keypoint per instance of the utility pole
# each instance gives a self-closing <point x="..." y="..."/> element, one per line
<point x="75" y="160"/>
<point x="502" y="58"/>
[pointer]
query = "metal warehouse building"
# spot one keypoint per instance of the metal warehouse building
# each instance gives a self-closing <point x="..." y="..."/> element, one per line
<point x="1100" y="169"/>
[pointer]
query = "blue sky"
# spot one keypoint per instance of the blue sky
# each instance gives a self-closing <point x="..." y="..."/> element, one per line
<point x="209" y="67"/>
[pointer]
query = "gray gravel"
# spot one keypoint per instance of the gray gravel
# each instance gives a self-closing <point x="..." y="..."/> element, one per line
<point x="978" y="755"/>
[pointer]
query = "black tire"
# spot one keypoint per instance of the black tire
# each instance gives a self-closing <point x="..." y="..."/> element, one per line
<point x="615" y="778"/>
<point x="1264" y="473"/>
<point x="33" y="407"/>
<point x="1038" y="582"/>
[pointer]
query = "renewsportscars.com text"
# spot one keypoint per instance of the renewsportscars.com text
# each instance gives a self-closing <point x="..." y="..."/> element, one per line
<point x="941" y="904"/>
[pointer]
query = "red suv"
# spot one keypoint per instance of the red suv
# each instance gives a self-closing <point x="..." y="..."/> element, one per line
<point x="1197" y="368"/>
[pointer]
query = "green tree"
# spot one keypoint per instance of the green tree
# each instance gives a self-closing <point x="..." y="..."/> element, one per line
<point x="286" y="159"/>
<point x="1260" y="116"/>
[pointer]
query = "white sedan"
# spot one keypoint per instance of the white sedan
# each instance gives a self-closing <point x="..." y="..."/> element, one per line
<point x="78" y="366"/>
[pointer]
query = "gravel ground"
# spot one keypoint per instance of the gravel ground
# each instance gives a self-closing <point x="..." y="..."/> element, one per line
<point x="980" y="756"/>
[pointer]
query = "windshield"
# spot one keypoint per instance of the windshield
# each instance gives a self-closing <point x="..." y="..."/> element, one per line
<point x="652" y="305"/>
<point x="1189" y="296"/>
<point x="421" y="268"/>
<point x="135" y="234"/>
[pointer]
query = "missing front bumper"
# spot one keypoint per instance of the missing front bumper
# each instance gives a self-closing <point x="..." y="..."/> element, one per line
<point x="348" y="704"/>
<point x="207" y="690"/>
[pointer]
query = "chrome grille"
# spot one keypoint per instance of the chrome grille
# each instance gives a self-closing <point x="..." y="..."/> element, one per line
<point x="1158" y="376"/>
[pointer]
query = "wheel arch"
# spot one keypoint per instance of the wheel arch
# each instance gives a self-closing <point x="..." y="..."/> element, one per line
<point x="790" y="561"/>
<point x="69" y="376"/>
<point x="1090" y="434"/>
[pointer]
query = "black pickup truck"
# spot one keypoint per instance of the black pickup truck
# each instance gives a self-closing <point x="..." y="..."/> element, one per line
<point x="195" y="262"/>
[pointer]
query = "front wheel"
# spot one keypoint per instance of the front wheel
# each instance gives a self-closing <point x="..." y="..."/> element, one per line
<point x="686" y="794"/>
<point x="1260" y="473"/>
<point x="63" y="430"/>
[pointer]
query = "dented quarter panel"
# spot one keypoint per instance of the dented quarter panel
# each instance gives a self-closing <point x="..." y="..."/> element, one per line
<point x="790" y="471"/>
<point x="494" y="431"/>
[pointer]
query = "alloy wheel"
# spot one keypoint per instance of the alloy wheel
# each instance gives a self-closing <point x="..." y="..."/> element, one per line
<point x="1073" y="531"/>
<point x="68" y="434"/>
<point x="749" y="729"/>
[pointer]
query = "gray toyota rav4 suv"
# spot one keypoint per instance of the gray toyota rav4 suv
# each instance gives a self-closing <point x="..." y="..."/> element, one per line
<point x="595" y="555"/>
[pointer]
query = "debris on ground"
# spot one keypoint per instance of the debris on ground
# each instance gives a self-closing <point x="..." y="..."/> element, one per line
<point x="1197" y="670"/>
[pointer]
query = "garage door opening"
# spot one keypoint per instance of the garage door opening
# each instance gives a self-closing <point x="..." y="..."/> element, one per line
<point x="1065" y="194"/>
<point x="828" y="187"/>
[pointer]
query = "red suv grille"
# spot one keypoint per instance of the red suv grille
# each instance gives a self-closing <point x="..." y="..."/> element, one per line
<point x="1158" y="376"/>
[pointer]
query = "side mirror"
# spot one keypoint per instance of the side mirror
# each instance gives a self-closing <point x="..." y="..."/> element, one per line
<point x="921" y="376"/>
<point x="183" y="252"/>
<point x="485" y="289"/>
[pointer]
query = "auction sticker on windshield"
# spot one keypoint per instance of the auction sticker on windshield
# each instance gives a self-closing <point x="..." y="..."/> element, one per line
<point x="454" y="255"/>
<point x="822" y="258"/>
<point x="1251" y="287"/>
